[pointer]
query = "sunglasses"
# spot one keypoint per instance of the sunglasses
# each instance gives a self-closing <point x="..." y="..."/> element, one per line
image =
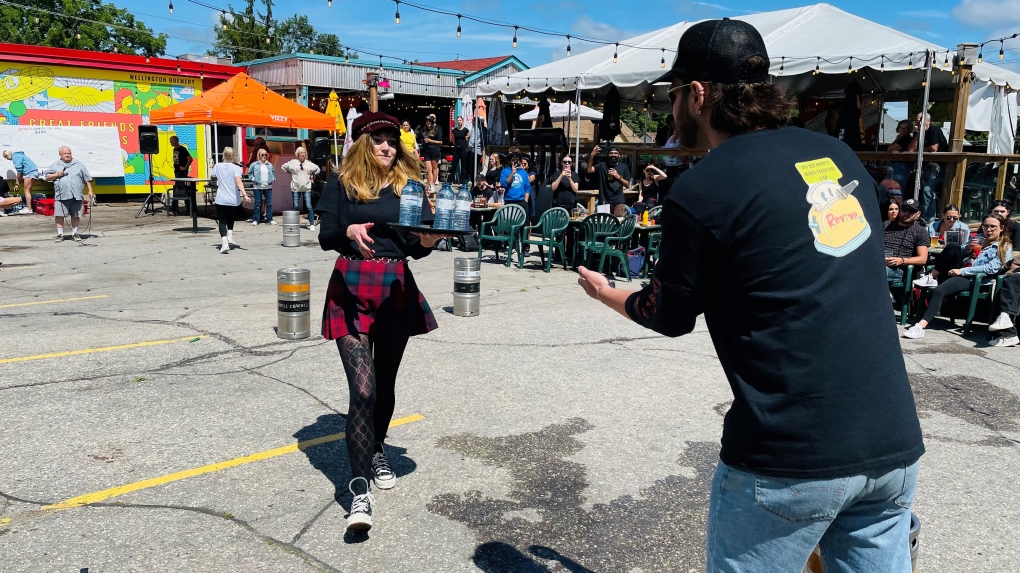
<point x="989" y="226"/>
<point x="675" y="89"/>
<point x="952" y="218"/>
<point x="567" y="162"/>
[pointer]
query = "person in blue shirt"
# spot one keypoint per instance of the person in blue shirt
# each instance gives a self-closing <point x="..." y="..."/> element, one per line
<point x="26" y="171"/>
<point x="950" y="221"/>
<point x="515" y="180"/>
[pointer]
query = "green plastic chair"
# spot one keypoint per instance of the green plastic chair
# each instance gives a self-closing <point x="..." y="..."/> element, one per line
<point x="904" y="288"/>
<point x="551" y="228"/>
<point x="654" y="212"/>
<point x="594" y="229"/>
<point x="616" y="245"/>
<point x="503" y="228"/>
<point x="976" y="292"/>
<point x="652" y="252"/>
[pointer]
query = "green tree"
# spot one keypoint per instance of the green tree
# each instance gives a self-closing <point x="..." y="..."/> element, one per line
<point x="329" y="45"/>
<point x="297" y="35"/>
<point x="247" y="35"/>
<point x="641" y="123"/>
<point x="80" y="24"/>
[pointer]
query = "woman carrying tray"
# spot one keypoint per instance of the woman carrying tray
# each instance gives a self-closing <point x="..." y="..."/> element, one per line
<point x="373" y="305"/>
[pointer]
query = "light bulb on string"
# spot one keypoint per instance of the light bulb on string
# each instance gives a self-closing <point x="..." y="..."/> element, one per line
<point x="508" y="81"/>
<point x="568" y="45"/>
<point x="1002" y="54"/>
<point x="910" y="61"/>
<point x="882" y="69"/>
<point x="397" y="15"/>
<point x="979" y="54"/>
<point x="223" y="15"/>
<point x="782" y="63"/>
<point x="662" y="62"/>
<point x="615" y="50"/>
<point x="818" y="63"/>
<point x="171" y="7"/>
<point x="329" y="3"/>
<point x="515" y="36"/>
<point x="850" y="66"/>
<point x="458" y="25"/>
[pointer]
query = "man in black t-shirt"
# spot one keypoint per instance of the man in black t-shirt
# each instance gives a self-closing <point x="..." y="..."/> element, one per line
<point x="774" y="236"/>
<point x="182" y="164"/>
<point x="610" y="176"/>
<point x="906" y="242"/>
<point x="931" y="172"/>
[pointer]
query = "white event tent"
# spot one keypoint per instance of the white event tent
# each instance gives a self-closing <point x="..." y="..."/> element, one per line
<point x="564" y="110"/>
<point x="841" y="46"/>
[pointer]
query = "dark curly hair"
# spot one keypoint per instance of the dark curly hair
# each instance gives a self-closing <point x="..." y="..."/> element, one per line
<point x="739" y="108"/>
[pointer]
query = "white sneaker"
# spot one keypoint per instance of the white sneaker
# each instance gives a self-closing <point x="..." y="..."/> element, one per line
<point x="272" y="222"/>
<point x="360" y="517"/>
<point x="1005" y="341"/>
<point x="311" y="227"/>
<point x="384" y="476"/>
<point x="255" y="223"/>
<point x="926" y="281"/>
<point x="225" y="247"/>
<point x="1002" y="322"/>
<point x="230" y="238"/>
<point x="914" y="332"/>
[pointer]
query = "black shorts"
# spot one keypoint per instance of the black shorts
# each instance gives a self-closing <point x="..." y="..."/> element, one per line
<point x="431" y="153"/>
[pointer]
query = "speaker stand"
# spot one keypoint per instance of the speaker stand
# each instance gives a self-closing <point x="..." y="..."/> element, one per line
<point x="152" y="199"/>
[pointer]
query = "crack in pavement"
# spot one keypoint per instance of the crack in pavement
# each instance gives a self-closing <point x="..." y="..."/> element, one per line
<point x="289" y="547"/>
<point x="311" y="522"/>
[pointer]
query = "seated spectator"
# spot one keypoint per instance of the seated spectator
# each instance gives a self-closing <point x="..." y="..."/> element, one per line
<point x="497" y="199"/>
<point x="904" y="135"/>
<point x="565" y="184"/>
<point x="493" y="169"/>
<point x="651" y="188"/>
<point x="892" y="211"/>
<point x="950" y="221"/>
<point x="1001" y="208"/>
<point x="481" y="188"/>
<point x="995" y="251"/>
<point x="906" y="241"/>
<point x="1007" y="306"/>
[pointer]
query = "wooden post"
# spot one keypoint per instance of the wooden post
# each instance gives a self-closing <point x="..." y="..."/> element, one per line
<point x="1000" y="184"/>
<point x="372" y="81"/>
<point x="966" y="58"/>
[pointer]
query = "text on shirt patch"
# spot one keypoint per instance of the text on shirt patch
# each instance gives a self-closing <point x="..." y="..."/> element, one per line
<point x="836" y="218"/>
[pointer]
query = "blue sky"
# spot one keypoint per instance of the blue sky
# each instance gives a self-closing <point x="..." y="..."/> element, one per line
<point x="369" y="24"/>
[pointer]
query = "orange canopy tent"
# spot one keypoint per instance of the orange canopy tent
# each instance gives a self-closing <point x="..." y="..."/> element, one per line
<point x="243" y="101"/>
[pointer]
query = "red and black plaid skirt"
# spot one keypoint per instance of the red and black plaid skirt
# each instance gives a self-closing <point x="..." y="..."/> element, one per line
<point x="374" y="297"/>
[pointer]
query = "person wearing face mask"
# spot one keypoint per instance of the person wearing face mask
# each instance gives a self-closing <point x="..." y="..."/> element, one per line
<point x="610" y="176"/>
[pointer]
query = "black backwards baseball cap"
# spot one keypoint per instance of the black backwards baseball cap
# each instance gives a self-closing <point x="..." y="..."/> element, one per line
<point x="910" y="205"/>
<point x="718" y="51"/>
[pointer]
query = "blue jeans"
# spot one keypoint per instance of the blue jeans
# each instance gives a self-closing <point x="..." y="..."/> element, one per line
<point x="930" y="184"/>
<point x="894" y="275"/>
<point x="267" y="196"/>
<point x="763" y="524"/>
<point x="308" y="204"/>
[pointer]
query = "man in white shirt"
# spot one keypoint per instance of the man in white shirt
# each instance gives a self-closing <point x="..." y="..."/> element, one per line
<point x="302" y="172"/>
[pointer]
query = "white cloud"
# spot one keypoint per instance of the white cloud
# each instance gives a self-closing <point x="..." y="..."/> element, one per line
<point x="983" y="13"/>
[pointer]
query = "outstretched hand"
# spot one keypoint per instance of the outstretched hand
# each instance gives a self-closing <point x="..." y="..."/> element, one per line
<point x="359" y="234"/>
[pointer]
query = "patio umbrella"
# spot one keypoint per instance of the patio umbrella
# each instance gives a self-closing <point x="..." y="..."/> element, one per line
<point x="333" y="109"/>
<point x="497" y="123"/>
<point x="544" y="117"/>
<point x="352" y="114"/>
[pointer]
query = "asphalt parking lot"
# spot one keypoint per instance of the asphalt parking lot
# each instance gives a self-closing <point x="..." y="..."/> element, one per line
<point x="151" y="420"/>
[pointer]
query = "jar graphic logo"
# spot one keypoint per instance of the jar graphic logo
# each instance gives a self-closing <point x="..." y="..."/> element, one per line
<point x="836" y="217"/>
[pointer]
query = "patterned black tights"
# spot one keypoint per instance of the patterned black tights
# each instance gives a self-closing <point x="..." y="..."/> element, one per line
<point x="371" y="380"/>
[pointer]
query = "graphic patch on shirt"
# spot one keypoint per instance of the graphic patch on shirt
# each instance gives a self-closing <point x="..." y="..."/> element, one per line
<point x="836" y="218"/>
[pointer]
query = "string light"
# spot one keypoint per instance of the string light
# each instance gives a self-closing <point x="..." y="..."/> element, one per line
<point x="662" y="62"/>
<point x="883" y="64"/>
<point x="171" y="7"/>
<point x="397" y="16"/>
<point x="781" y="64"/>
<point x="979" y="56"/>
<point x="910" y="63"/>
<point x="615" y="50"/>
<point x="1001" y="53"/>
<point x="508" y="81"/>
<point x="329" y="3"/>
<point x="946" y="63"/>
<point x="850" y="66"/>
<point x="223" y="15"/>
<point x="458" y="25"/>
<point x="515" y="35"/>
<point x="818" y="63"/>
<point x="568" y="45"/>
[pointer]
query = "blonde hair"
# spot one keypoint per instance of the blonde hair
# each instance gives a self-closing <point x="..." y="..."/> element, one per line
<point x="228" y="154"/>
<point x="364" y="177"/>
<point x="299" y="150"/>
<point x="8" y="154"/>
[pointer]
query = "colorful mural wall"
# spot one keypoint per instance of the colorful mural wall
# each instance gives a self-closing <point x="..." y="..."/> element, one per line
<point x="32" y="94"/>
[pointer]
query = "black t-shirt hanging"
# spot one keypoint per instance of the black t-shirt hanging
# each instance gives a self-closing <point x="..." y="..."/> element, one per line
<point x="776" y="236"/>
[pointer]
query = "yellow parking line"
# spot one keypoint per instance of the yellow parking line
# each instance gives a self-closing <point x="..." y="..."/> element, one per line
<point x="177" y="476"/>
<point x="102" y="349"/>
<point x="52" y="301"/>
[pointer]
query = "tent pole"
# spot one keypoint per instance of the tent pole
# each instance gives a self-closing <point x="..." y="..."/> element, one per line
<point x="881" y="120"/>
<point x="216" y="142"/>
<point x="920" y="138"/>
<point x="336" y="160"/>
<point x="577" y="146"/>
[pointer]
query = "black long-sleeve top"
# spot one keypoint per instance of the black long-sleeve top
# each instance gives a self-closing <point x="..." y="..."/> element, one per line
<point x="337" y="211"/>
